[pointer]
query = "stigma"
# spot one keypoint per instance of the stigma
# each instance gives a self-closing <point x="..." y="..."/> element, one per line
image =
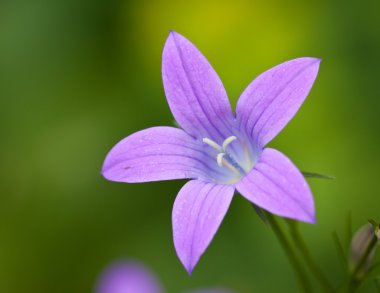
<point x="220" y="149"/>
<point x="224" y="158"/>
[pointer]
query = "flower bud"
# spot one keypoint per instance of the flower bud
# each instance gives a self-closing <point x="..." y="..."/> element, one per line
<point x="360" y="244"/>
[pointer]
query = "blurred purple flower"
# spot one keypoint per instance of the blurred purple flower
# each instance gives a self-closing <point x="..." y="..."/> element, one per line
<point x="133" y="277"/>
<point x="127" y="277"/>
<point x="219" y="150"/>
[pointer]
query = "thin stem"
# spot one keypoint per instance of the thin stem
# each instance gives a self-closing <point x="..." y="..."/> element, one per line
<point x="293" y="259"/>
<point x="302" y="246"/>
<point x="349" y="227"/>
<point x="369" y="272"/>
<point x="340" y="250"/>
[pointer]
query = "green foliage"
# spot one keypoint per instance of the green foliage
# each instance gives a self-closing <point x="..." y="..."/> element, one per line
<point x="76" y="76"/>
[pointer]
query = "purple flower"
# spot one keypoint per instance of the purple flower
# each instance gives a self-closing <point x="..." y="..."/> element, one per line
<point x="133" y="277"/>
<point x="127" y="277"/>
<point x="218" y="150"/>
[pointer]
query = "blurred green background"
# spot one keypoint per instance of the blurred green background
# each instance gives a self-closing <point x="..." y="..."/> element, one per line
<point x="76" y="76"/>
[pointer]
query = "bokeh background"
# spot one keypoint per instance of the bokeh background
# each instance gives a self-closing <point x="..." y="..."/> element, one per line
<point x="76" y="76"/>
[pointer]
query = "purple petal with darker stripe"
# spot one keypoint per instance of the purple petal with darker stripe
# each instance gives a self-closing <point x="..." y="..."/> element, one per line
<point x="273" y="98"/>
<point x="197" y="214"/>
<point x="195" y="94"/>
<point x="276" y="185"/>
<point x="159" y="153"/>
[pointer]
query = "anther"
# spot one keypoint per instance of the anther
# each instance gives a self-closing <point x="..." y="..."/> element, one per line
<point x="213" y="144"/>
<point x="223" y="157"/>
<point x="222" y="150"/>
<point x="227" y="141"/>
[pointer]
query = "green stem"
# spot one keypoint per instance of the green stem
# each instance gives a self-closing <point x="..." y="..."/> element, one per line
<point x="349" y="227"/>
<point x="301" y="245"/>
<point x="340" y="250"/>
<point x="293" y="259"/>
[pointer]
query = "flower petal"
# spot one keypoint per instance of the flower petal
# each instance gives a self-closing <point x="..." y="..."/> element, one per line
<point x="276" y="185"/>
<point x="157" y="153"/>
<point x="273" y="98"/>
<point x="195" y="94"/>
<point x="197" y="214"/>
<point x="127" y="277"/>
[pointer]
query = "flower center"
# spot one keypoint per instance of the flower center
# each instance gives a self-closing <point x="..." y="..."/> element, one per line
<point x="224" y="158"/>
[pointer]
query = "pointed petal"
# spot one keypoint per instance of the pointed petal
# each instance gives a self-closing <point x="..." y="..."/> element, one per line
<point x="276" y="185"/>
<point x="273" y="98"/>
<point x="127" y="277"/>
<point x="197" y="214"/>
<point x="195" y="94"/>
<point x="158" y="153"/>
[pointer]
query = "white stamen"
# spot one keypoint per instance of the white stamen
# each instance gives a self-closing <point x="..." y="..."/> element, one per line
<point x="223" y="158"/>
<point x="213" y="144"/>
<point x="219" y="159"/>
<point x="227" y="141"/>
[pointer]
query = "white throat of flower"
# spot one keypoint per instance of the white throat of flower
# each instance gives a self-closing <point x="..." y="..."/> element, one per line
<point x="224" y="156"/>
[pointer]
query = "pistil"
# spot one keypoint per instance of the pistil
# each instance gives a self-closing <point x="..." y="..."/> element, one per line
<point x="223" y="157"/>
